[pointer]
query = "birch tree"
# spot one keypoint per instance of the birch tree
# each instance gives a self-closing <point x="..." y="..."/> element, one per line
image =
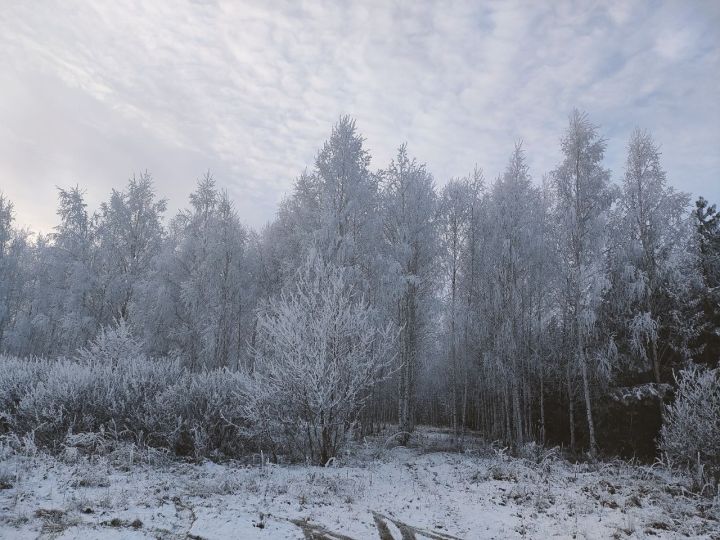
<point x="651" y="229"/>
<point x="13" y="254"/>
<point x="197" y="301"/>
<point x="130" y="234"/>
<point x="458" y="218"/>
<point x="512" y="273"/>
<point x="584" y="197"/>
<point x="64" y="307"/>
<point x="410" y="232"/>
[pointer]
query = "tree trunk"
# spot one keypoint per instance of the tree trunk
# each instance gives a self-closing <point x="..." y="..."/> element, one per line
<point x="542" y="406"/>
<point x="588" y="405"/>
<point x="655" y="362"/>
<point x="571" y="409"/>
<point x="517" y="414"/>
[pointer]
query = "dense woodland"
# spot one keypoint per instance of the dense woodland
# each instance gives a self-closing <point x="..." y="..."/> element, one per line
<point x="562" y="309"/>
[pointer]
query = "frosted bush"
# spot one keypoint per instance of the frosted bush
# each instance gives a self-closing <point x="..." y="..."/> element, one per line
<point x="58" y="403"/>
<point x="205" y="412"/>
<point x="84" y="396"/>
<point x="17" y="378"/>
<point x="126" y="398"/>
<point x="319" y="350"/>
<point x="691" y="428"/>
<point x="112" y="344"/>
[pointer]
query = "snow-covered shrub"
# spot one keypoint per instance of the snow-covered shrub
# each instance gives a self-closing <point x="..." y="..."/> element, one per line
<point x="691" y="428"/>
<point x="85" y="396"/>
<point x="7" y="478"/>
<point x="537" y="453"/>
<point x="58" y="403"/>
<point x="204" y="412"/>
<point x="111" y="395"/>
<point x="113" y="343"/>
<point x="319" y="350"/>
<point x="111" y="385"/>
<point x="17" y="378"/>
<point x="126" y="400"/>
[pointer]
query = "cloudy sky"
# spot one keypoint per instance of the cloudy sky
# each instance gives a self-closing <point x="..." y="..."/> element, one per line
<point x="93" y="92"/>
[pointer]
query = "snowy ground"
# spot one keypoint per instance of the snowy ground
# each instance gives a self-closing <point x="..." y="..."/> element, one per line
<point x="373" y="492"/>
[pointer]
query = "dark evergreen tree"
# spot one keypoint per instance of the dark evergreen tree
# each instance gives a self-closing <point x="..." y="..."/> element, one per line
<point x="707" y="226"/>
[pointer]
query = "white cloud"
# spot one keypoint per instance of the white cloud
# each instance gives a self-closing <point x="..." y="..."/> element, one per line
<point x="90" y="94"/>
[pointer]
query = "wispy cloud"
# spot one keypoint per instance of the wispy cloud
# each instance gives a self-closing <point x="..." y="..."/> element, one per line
<point x="91" y="93"/>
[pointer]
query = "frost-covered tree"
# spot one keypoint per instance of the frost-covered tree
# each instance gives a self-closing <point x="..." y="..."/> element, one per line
<point x="706" y="221"/>
<point x="584" y="197"/>
<point x="318" y="352"/>
<point x="335" y="209"/>
<point x="285" y="241"/>
<point x="129" y="235"/>
<point x="517" y="253"/>
<point x="348" y="198"/>
<point x="458" y="218"/>
<point x="199" y="300"/>
<point x="409" y="208"/>
<point x="13" y="251"/>
<point x="649" y="260"/>
<point x="63" y="311"/>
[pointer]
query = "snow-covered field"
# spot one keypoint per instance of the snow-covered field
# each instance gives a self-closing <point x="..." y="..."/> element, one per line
<point x="372" y="492"/>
